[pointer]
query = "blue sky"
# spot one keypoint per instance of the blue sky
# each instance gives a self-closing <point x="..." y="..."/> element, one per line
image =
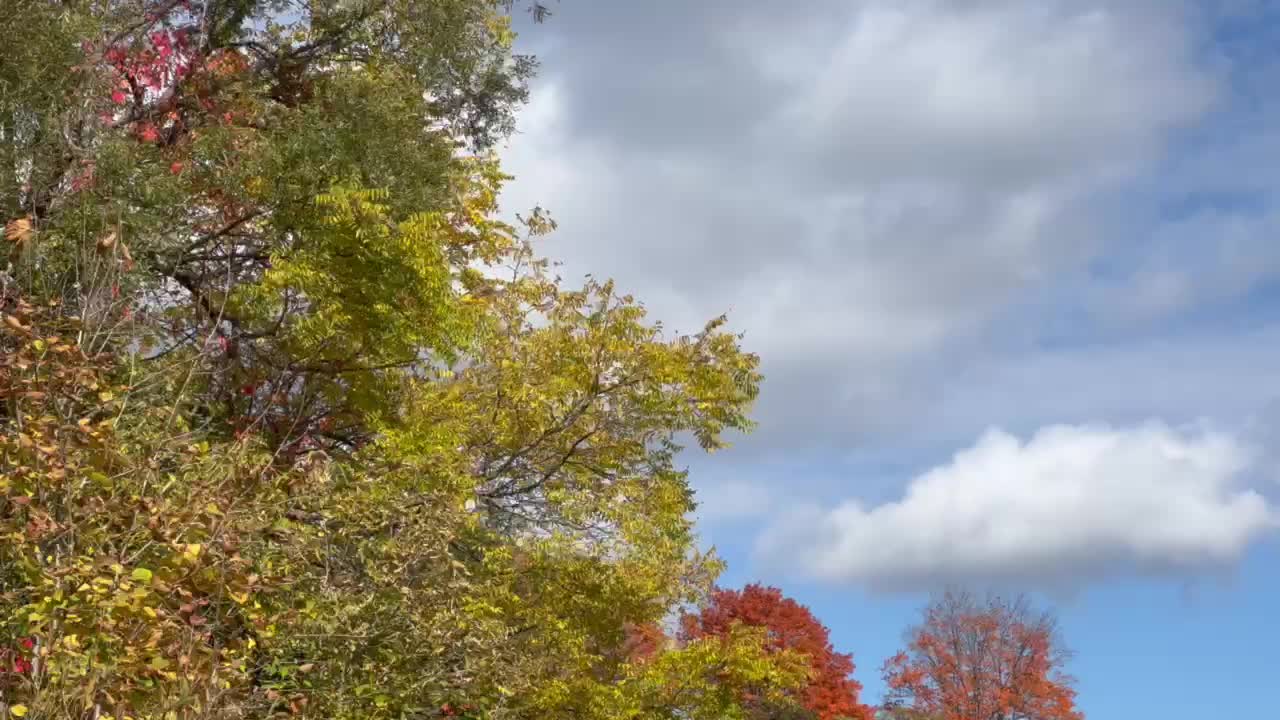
<point x="1012" y="271"/>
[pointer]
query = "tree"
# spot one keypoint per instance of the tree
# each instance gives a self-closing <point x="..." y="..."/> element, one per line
<point x="829" y="692"/>
<point x="992" y="660"/>
<point x="292" y="422"/>
<point x="172" y="151"/>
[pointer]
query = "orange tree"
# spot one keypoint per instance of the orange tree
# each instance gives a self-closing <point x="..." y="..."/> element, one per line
<point x="982" y="660"/>
<point x="829" y="692"/>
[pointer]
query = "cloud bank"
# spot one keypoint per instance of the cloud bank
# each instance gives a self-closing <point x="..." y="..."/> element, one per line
<point x="862" y="185"/>
<point x="1069" y="505"/>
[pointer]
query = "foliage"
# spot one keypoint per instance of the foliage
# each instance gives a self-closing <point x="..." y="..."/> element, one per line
<point x="126" y="571"/>
<point x="292" y="424"/>
<point x="996" y="659"/>
<point x="829" y="691"/>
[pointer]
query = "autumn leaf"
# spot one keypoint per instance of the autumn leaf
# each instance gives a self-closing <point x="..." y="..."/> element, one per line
<point x="16" y="325"/>
<point x="19" y="230"/>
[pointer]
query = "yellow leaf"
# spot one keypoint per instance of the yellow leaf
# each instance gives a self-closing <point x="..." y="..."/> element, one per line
<point x="18" y="231"/>
<point x="18" y="710"/>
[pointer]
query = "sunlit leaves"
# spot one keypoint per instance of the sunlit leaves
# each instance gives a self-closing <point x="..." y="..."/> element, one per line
<point x="293" y="424"/>
<point x="112" y="572"/>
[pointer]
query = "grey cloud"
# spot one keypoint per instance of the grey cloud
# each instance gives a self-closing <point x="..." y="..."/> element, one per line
<point x="863" y="186"/>
<point x="1001" y="94"/>
<point x="1192" y="265"/>
<point x="1224" y="374"/>
<point x="934" y="404"/>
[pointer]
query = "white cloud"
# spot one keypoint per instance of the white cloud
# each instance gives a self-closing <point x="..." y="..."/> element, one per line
<point x="1070" y="505"/>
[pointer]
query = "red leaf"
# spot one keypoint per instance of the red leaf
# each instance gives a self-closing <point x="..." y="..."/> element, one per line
<point x="831" y="692"/>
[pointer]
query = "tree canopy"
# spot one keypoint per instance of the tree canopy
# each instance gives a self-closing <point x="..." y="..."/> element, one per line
<point x="992" y="659"/>
<point x="293" y="422"/>
<point x="829" y="691"/>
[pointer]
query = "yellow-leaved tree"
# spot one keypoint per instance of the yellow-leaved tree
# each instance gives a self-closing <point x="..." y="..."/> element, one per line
<point x="291" y="423"/>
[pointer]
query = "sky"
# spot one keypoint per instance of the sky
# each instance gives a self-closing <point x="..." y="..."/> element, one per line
<point x="1012" y="271"/>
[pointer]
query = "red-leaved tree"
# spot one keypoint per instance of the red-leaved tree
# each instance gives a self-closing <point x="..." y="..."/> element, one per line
<point x="642" y="642"/>
<point x="831" y="692"/>
<point x="982" y="660"/>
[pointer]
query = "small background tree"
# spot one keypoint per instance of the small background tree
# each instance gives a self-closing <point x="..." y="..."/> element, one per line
<point x="994" y="659"/>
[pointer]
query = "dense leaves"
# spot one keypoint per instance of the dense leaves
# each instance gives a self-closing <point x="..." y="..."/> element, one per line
<point x="292" y="423"/>
<point x="829" y="692"/>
